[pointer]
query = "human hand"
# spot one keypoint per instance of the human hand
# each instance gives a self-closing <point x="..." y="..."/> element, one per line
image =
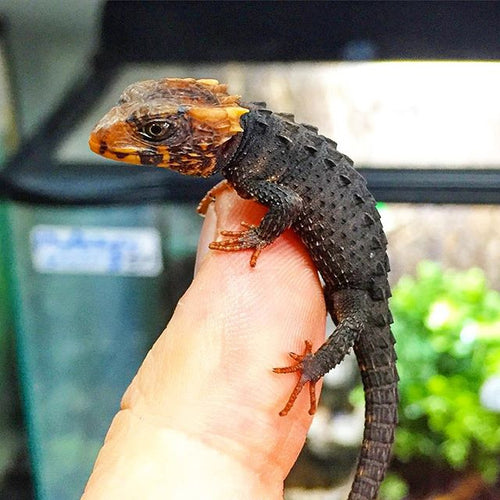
<point x="200" y="419"/>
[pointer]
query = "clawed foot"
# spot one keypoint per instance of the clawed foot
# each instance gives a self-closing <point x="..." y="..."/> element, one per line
<point x="241" y="240"/>
<point x="304" y="379"/>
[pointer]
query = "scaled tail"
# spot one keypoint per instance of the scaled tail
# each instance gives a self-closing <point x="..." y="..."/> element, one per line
<point x="376" y="357"/>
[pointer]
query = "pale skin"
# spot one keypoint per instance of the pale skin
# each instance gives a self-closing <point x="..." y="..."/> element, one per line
<point x="201" y="417"/>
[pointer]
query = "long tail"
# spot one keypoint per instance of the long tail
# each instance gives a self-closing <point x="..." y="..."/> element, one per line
<point x="376" y="357"/>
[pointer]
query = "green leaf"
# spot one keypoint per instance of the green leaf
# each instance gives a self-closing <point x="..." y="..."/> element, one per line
<point x="447" y="326"/>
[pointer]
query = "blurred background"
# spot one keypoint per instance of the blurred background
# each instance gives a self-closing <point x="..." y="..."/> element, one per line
<point x="94" y="255"/>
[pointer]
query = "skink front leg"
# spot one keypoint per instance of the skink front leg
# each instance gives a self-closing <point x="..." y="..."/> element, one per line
<point x="284" y="206"/>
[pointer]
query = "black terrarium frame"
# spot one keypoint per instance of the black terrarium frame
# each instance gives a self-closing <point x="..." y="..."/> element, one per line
<point x="265" y="32"/>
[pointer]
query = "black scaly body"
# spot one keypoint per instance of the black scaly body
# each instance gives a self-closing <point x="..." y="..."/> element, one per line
<point x="308" y="185"/>
<point x="195" y="127"/>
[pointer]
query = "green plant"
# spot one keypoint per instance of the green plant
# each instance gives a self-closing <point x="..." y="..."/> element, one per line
<point x="447" y="327"/>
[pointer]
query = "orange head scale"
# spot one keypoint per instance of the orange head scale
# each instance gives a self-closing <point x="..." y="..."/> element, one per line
<point x="180" y="124"/>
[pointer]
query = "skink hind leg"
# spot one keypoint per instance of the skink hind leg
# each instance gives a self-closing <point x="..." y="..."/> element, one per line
<point x="312" y="366"/>
<point x="300" y="366"/>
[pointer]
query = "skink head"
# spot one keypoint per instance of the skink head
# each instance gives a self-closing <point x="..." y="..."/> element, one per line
<point x="175" y="123"/>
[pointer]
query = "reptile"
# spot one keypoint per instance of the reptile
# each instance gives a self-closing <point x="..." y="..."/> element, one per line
<point x="196" y="127"/>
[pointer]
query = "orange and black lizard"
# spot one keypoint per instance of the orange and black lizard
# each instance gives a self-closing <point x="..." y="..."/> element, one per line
<point x="195" y="127"/>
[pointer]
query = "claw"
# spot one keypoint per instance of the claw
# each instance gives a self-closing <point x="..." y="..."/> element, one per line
<point x="239" y="233"/>
<point x="255" y="256"/>
<point x="303" y="380"/>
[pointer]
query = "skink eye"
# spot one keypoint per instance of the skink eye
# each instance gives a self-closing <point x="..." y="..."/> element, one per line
<point x="155" y="131"/>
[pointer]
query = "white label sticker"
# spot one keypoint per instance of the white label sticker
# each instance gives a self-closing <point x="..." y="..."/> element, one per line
<point x="96" y="250"/>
